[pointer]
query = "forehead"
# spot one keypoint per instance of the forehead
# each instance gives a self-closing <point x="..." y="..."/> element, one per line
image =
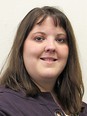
<point x="46" y="19"/>
<point x="42" y="20"/>
<point x="47" y="24"/>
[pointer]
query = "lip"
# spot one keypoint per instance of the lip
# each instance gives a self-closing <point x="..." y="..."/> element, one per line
<point x="50" y="59"/>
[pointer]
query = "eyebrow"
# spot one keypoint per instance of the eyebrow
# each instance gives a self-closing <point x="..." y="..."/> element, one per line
<point x="40" y="33"/>
<point x="58" y="34"/>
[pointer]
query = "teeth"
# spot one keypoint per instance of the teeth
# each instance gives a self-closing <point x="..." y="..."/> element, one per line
<point x="48" y="59"/>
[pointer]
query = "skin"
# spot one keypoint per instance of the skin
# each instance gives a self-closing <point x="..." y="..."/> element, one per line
<point x="45" y="53"/>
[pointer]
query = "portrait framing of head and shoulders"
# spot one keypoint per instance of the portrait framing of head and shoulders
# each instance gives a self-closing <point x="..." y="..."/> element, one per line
<point x="42" y="75"/>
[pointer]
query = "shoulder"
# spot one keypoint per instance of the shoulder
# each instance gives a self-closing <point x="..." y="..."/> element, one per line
<point x="85" y="106"/>
<point x="12" y="102"/>
<point x="6" y="101"/>
<point x="17" y="104"/>
<point x="84" y="109"/>
<point x="8" y="98"/>
<point x="9" y="94"/>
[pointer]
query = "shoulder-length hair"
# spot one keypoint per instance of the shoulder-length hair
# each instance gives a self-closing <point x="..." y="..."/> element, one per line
<point x="69" y="86"/>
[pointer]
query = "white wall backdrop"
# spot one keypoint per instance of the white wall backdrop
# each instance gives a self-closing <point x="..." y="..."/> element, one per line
<point x="12" y="12"/>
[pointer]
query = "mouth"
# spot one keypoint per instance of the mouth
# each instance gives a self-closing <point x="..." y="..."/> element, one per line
<point x="50" y="59"/>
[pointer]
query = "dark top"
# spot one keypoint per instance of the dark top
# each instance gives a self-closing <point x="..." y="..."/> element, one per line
<point x="14" y="103"/>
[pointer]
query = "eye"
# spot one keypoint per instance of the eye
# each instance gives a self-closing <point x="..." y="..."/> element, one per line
<point x="39" y="39"/>
<point x="61" y="40"/>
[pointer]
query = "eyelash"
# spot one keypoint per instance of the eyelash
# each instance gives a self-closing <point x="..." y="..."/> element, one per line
<point x="39" y="39"/>
<point x="59" y="40"/>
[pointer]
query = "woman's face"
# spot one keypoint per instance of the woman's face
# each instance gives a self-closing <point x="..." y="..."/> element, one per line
<point x="45" y="52"/>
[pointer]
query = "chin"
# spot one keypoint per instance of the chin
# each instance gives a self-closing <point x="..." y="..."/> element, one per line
<point x="50" y="76"/>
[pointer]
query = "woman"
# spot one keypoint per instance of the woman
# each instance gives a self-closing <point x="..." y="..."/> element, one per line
<point x="42" y="76"/>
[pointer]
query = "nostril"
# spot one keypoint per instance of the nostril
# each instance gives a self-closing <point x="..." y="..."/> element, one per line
<point x="50" y="50"/>
<point x="50" y="47"/>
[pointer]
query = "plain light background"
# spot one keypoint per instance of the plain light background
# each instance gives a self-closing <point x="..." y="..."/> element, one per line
<point x="13" y="11"/>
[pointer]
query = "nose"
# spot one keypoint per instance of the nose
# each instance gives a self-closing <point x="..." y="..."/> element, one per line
<point x="50" y="46"/>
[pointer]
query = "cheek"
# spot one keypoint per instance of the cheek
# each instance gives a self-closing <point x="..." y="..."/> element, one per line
<point x="26" y="53"/>
<point x="31" y="48"/>
<point x="28" y="58"/>
<point x="28" y="49"/>
<point x="30" y="54"/>
<point x="66" y="51"/>
<point x="63" y="51"/>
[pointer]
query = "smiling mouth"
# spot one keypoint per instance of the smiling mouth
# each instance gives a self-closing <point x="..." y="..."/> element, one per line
<point x="49" y="59"/>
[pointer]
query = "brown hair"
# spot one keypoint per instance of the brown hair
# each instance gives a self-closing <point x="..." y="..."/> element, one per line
<point x="69" y="86"/>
